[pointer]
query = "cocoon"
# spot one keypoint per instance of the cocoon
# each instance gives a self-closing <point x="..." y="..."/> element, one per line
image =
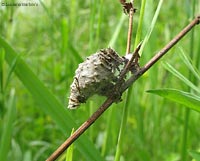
<point x="96" y="75"/>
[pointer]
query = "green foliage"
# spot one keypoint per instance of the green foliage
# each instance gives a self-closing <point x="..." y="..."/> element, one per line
<point x="40" y="48"/>
<point x="188" y="100"/>
<point x="181" y="77"/>
<point x="7" y="128"/>
<point x="195" y="155"/>
<point x="48" y="103"/>
<point x="184" y="98"/>
<point x="146" y="38"/>
<point x="69" y="155"/>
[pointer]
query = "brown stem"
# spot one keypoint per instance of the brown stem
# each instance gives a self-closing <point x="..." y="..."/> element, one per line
<point x="130" y="28"/>
<point x="111" y="99"/>
<point x="81" y="129"/>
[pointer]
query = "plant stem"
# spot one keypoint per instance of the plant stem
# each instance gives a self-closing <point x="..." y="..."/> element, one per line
<point x="130" y="29"/>
<point x="185" y="134"/>
<point x="123" y="73"/>
<point x="187" y="110"/>
<point x="122" y="126"/>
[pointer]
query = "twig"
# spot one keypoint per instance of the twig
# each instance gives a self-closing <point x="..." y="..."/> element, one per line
<point x="128" y="83"/>
<point x="129" y="7"/>
<point x="81" y="129"/>
<point x="130" y="28"/>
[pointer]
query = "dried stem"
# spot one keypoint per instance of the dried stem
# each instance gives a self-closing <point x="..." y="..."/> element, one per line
<point x="81" y="129"/>
<point x="128" y="83"/>
<point x="130" y="28"/>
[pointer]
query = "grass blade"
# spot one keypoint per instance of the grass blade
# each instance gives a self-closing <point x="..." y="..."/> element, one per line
<point x="187" y="99"/>
<point x="69" y="155"/>
<point x="8" y="127"/>
<point x="181" y="77"/>
<point x="139" y="28"/>
<point x="188" y="63"/>
<point x="65" y="35"/>
<point x="48" y="102"/>
<point x="2" y="57"/>
<point x="117" y="30"/>
<point x="11" y="70"/>
<point x="76" y="54"/>
<point x="122" y="127"/>
<point x="151" y="26"/>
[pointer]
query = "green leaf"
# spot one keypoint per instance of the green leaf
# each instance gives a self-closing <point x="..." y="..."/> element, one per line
<point x="116" y="32"/>
<point x="65" y="35"/>
<point x="181" y="77"/>
<point x="139" y="28"/>
<point x="153" y="22"/>
<point x="6" y="135"/>
<point x="195" y="155"/>
<point x="76" y="54"/>
<point x="190" y="100"/>
<point x="69" y="155"/>
<point x="2" y="56"/>
<point x="188" y="63"/>
<point x="48" y="102"/>
<point x="11" y="70"/>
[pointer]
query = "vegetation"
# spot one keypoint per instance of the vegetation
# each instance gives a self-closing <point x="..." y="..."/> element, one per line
<point x="41" y="47"/>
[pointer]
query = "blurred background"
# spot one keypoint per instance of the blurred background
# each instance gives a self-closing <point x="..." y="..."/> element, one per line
<point x="53" y="37"/>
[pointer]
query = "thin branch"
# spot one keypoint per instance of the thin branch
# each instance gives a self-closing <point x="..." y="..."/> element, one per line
<point x="130" y="28"/>
<point x="125" y="70"/>
<point x="81" y="129"/>
<point x="128" y="83"/>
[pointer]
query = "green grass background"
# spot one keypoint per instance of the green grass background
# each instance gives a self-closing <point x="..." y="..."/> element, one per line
<point x="51" y="39"/>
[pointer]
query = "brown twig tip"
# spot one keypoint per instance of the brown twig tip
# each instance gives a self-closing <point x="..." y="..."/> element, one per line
<point x="127" y="6"/>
